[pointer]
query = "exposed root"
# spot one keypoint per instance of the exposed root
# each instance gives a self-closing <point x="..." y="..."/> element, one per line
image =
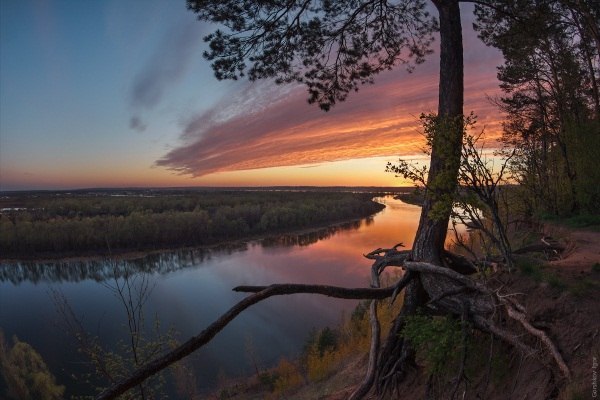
<point x="446" y="289"/>
<point x="541" y="335"/>
<point x="452" y="292"/>
<point x="547" y="245"/>
<point x="461" y="377"/>
<point x="369" y="378"/>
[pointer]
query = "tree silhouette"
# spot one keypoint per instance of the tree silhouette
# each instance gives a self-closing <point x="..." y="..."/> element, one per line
<point x="333" y="47"/>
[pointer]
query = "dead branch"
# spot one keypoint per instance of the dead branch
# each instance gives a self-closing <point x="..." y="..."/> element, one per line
<point x="522" y="319"/>
<point x="330" y="291"/>
<point x="261" y="293"/>
<point x="540" y="248"/>
<point x="369" y="378"/>
<point x="461" y="372"/>
<point x="488" y="326"/>
<point x="386" y="258"/>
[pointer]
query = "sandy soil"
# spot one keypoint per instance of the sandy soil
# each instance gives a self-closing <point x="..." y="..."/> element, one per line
<point x="582" y="248"/>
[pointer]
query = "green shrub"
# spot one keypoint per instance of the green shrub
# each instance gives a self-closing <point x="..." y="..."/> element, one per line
<point x="554" y="281"/>
<point x="531" y="268"/>
<point x="25" y="373"/>
<point x="582" y="287"/>
<point x="268" y="380"/>
<point x="437" y="339"/>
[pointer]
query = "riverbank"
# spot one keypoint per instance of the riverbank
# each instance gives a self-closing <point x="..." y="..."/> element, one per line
<point x="127" y="227"/>
<point x="303" y="235"/>
<point x="416" y="197"/>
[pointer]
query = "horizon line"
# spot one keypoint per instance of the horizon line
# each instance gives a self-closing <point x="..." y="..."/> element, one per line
<point x="224" y="188"/>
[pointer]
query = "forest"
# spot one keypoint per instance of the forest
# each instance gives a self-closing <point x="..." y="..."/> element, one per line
<point x="57" y="225"/>
<point x="550" y="101"/>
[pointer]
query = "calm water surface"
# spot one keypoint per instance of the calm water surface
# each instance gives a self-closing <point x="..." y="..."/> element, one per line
<point x="190" y="289"/>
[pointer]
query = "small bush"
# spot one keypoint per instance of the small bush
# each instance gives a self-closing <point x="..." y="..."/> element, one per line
<point x="319" y="367"/>
<point x="582" y="287"/>
<point x="268" y="380"/>
<point x="535" y="270"/>
<point x="288" y="377"/>
<point x="554" y="281"/>
<point x="436" y="338"/>
<point x="531" y="268"/>
<point x="25" y="373"/>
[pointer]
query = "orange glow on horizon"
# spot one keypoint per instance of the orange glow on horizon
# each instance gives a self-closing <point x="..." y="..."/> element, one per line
<point x="146" y="124"/>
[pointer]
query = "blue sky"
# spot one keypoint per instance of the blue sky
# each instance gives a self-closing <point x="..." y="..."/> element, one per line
<point x="95" y="93"/>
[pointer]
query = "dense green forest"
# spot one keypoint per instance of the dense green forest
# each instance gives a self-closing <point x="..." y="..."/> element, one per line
<point x="551" y="100"/>
<point x="68" y="224"/>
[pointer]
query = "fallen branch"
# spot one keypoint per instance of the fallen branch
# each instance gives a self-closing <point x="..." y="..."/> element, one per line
<point x="520" y="316"/>
<point x="540" y="248"/>
<point x="261" y="293"/>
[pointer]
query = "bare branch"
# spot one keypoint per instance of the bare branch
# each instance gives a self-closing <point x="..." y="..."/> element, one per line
<point x="520" y="316"/>
<point x="261" y="293"/>
<point x="330" y="291"/>
<point x="369" y="378"/>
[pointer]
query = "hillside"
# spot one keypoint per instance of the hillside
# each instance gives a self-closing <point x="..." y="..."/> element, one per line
<point x="561" y="297"/>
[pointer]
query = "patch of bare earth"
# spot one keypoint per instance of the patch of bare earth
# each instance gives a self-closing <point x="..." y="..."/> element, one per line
<point x="582" y="248"/>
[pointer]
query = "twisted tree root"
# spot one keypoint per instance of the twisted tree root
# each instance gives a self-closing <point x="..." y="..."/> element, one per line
<point x="447" y="289"/>
<point x="450" y="292"/>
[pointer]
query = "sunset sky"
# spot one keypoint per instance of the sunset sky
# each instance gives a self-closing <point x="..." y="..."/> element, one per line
<point x="116" y="94"/>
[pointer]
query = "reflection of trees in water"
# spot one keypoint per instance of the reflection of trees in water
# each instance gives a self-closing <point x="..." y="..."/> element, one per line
<point x="308" y="238"/>
<point x="157" y="263"/>
<point x="102" y="270"/>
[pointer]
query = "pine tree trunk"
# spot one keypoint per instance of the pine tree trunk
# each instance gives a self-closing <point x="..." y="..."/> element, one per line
<point x="397" y="355"/>
<point x="445" y="153"/>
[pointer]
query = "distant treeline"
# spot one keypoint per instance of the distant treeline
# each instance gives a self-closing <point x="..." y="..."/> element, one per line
<point x="101" y="224"/>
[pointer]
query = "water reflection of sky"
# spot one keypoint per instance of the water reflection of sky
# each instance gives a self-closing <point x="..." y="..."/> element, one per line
<point x="193" y="289"/>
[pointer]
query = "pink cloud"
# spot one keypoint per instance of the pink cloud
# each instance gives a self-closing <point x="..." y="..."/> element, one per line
<point x="267" y="125"/>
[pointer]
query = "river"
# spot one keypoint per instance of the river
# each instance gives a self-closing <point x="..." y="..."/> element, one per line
<point x="187" y="290"/>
